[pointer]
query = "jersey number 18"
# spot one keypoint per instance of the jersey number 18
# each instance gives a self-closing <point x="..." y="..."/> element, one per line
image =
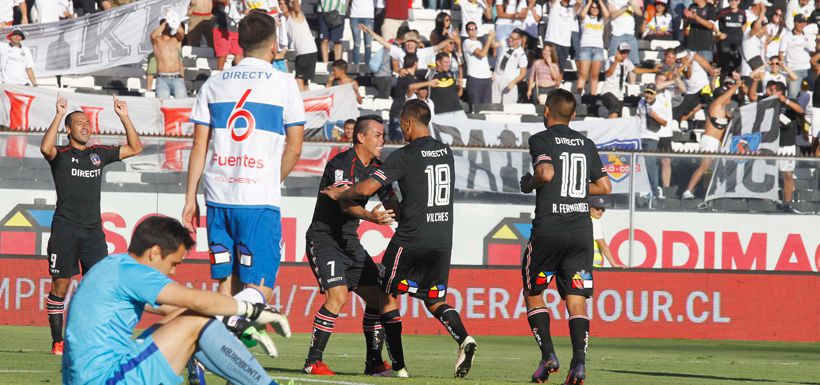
<point x="573" y="175"/>
<point x="438" y="185"/>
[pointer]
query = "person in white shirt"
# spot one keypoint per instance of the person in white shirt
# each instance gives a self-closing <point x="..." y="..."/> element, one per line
<point x="473" y="11"/>
<point x="778" y="72"/>
<point x="695" y="70"/>
<point x="479" y="76"/>
<point x="533" y="13"/>
<point x="7" y="12"/>
<point x="16" y="62"/>
<point x="798" y="7"/>
<point x="795" y="50"/>
<point x="303" y="42"/>
<point x="616" y="77"/>
<point x="510" y="69"/>
<point x="562" y="16"/>
<point x="774" y="31"/>
<point x="361" y="12"/>
<point x="622" y="20"/>
<point x="591" y="55"/>
<point x="655" y="113"/>
<point x="508" y="13"/>
<point x="48" y="11"/>
<point x="411" y="44"/>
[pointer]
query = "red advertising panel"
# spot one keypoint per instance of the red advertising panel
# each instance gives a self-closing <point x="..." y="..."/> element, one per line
<point x="644" y="304"/>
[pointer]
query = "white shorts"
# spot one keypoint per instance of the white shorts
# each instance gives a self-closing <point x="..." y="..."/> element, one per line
<point x="708" y="144"/>
<point x="815" y="122"/>
<point x="786" y="165"/>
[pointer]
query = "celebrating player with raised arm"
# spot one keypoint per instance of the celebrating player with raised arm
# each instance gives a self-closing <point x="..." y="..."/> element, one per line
<point x="417" y="260"/>
<point x="338" y="259"/>
<point x="254" y="118"/>
<point x="76" y="230"/>
<point x="111" y="299"/>
<point x="567" y="169"/>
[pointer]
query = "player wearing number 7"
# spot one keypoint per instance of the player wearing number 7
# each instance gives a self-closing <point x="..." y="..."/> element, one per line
<point x="417" y="260"/>
<point x="567" y="170"/>
<point x="253" y="118"/>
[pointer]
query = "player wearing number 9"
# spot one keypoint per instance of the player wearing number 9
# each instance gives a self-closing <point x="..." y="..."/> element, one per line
<point x="567" y="169"/>
<point x="417" y="260"/>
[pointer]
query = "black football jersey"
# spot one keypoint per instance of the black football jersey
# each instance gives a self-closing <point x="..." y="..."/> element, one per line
<point x="561" y="205"/>
<point x="78" y="179"/>
<point x="424" y="169"/>
<point x="343" y="169"/>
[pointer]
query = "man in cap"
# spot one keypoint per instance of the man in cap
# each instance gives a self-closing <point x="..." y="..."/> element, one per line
<point x="655" y="112"/>
<point x="426" y="56"/>
<point x="796" y="47"/>
<point x="16" y="61"/>
<point x="166" y="39"/>
<point x="597" y="206"/>
<point x="619" y="67"/>
<point x="510" y="69"/>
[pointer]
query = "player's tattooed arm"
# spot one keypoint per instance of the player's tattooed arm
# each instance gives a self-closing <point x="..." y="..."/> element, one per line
<point x="47" y="146"/>
<point x="360" y="190"/>
<point x="601" y="186"/>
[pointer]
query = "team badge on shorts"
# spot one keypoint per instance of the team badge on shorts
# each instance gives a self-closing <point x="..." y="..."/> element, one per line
<point x="437" y="291"/>
<point x="582" y="280"/>
<point x="544" y="278"/>
<point x="219" y="254"/>
<point x="408" y="286"/>
<point x="245" y="255"/>
<point x="95" y="159"/>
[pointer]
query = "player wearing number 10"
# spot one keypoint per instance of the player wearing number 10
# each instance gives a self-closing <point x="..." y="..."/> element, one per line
<point x="417" y="260"/>
<point x="567" y="169"/>
<point x="254" y="117"/>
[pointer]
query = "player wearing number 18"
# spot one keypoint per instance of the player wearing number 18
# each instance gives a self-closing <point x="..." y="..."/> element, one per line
<point x="567" y="169"/>
<point x="417" y="260"/>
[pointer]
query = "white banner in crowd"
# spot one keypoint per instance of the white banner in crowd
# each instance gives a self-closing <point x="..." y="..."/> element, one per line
<point x="97" y="41"/>
<point x="25" y="108"/>
<point x="756" y="129"/>
<point x="500" y="171"/>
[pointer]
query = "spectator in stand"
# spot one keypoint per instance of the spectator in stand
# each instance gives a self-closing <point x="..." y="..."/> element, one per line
<point x="597" y="206"/>
<point x="732" y="25"/>
<point x="813" y="117"/>
<point x="49" y="11"/>
<point x="695" y="70"/>
<point x="87" y="7"/>
<point x="591" y="55"/>
<point x="399" y="94"/>
<point x="475" y="11"/>
<point x="303" y="43"/>
<point x="454" y="50"/>
<point x="227" y="14"/>
<point x="16" y="62"/>
<point x="798" y="7"/>
<point x="510" y="69"/>
<point x="444" y="88"/>
<point x="338" y="76"/>
<point x="795" y="51"/>
<point x="443" y="28"/>
<point x="7" y="12"/>
<point x="757" y="11"/>
<point x="701" y="23"/>
<point x="788" y="132"/>
<point x="659" y="25"/>
<point x="396" y="13"/>
<point x="411" y="43"/>
<point x="532" y="17"/>
<point x="622" y="15"/>
<point x="655" y="113"/>
<point x="201" y="23"/>
<point x="382" y="76"/>
<point x="361" y="12"/>
<point x="774" y="32"/>
<point x="718" y="118"/>
<point x="479" y="75"/>
<point x="544" y="76"/>
<point x="754" y="44"/>
<point x="616" y="77"/>
<point x="423" y="94"/>
<point x="507" y="13"/>
<point x="774" y="73"/>
<point x="347" y="130"/>
<point x="166" y="40"/>
<point x="670" y="88"/>
<point x="378" y="19"/>
<point x="331" y="27"/>
<point x="559" y="28"/>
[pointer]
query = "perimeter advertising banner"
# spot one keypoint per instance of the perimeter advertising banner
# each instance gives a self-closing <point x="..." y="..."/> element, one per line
<point x="626" y="304"/>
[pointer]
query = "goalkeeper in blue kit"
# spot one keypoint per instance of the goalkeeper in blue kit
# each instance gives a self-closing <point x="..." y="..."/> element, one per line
<point x="111" y="299"/>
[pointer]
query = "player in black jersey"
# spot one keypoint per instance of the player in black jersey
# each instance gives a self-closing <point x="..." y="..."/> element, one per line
<point x="567" y="169"/>
<point x="417" y="260"/>
<point x="336" y="256"/>
<point x="76" y="230"/>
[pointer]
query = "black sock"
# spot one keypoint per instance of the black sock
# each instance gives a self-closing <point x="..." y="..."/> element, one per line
<point x="373" y="335"/>
<point x="391" y="321"/>
<point x="323" y="324"/>
<point x="539" y="319"/>
<point x="579" y="335"/>
<point x="452" y="322"/>
<point x="55" y="307"/>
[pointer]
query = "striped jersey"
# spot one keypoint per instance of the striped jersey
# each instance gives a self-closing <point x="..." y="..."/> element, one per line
<point x="248" y="109"/>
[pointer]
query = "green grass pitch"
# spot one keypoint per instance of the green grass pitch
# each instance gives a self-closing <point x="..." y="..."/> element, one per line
<point x="25" y="359"/>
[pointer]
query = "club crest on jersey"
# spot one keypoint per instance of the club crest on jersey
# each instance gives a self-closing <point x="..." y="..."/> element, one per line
<point x="339" y="175"/>
<point x="408" y="286"/>
<point x="582" y="280"/>
<point x="218" y="253"/>
<point x="544" y="278"/>
<point x="95" y="159"/>
<point x="437" y="291"/>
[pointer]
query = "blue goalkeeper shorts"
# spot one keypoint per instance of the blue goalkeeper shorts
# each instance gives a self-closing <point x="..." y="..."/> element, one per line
<point x="246" y="243"/>
<point x="145" y="364"/>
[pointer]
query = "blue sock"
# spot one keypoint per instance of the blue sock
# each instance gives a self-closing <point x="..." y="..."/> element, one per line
<point x="225" y="355"/>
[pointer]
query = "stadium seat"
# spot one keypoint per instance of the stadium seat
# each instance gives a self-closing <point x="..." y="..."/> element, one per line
<point x="123" y="177"/>
<point x="487" y="107"/>
<point x="532" y="119"/>
<point x="423" y="14"/>
<point x="382" y="104"/>
<point x="807" y="207"/>
<point x="660" y="45"/>
<point x="503" y="118"/>
<point x="762" y="206"/>
<point x="520" y="108"/>
<point x="78" y="81"/>
<point x="134" y="83"/>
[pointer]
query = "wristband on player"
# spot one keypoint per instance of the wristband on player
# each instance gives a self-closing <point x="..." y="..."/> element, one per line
<point x="251" y="311"/>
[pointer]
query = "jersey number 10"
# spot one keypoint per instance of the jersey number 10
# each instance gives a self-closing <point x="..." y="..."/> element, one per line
<point x="438" y="185"/>
<point x="573" y="175"/>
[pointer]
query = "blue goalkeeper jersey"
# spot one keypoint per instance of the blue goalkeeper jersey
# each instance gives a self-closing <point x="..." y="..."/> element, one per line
<point x="102" y="315"/>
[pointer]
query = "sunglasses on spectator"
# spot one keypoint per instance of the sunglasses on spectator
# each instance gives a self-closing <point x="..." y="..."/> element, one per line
<point x="471" y="28"/>
<point x="774" y="63"/>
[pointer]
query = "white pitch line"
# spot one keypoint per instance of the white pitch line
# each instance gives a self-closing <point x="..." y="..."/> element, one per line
<point x="27" y="371"/>
<point x="302" y="379"/>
